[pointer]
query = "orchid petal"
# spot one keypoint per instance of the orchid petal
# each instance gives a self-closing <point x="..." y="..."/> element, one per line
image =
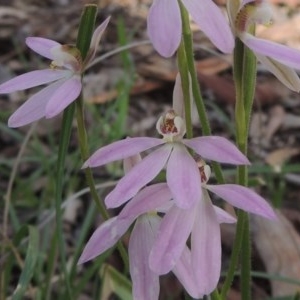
<point x="285" y="74"/>
<point x="164" y="26"/>
<point x="31" y="79"/>
<point x="96" y="39"/>
<point x="120" y="150"/>
<point x="183" y="271"/>
<point x="104" y="237"/>
<point x="183" y="177"/>
<point x="63" y="96"/>
<point x="285" y="55"/>
<point x="212" y="22"/>
<point x="34" y="108"/>
<point x="138" y="177"/>
<point x="172" y="235"/>
<point x="206" y="247"/>
<point x="218" y="149"/>
<point x="243" y="198"/>
<point x="42" y="46"/>
<point x="148" y="199"/>
<point x="178" y="99"/>
<point x="145" y="283"/>
<point x="223" y="216"/>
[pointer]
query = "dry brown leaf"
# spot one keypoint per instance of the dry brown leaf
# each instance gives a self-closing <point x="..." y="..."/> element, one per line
<point x="278" y="244"/>
<point x="277" y="158"/>
<point x="213" y="65"/>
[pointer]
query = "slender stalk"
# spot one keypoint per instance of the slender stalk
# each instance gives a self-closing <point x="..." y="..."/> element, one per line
<point x="189" y="51"/>
<point x="244" y="73"/>
<point x="82" y="137"/>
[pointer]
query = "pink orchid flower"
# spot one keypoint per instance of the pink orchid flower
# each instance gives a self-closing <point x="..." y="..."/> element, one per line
<point x="164" y="24"/>
<point x="170" y="151"/>
<point x="278" y="59"/>
<point x="202" y="222"/>
<point x="143" y="208"/>
<point x="64" y="75"/>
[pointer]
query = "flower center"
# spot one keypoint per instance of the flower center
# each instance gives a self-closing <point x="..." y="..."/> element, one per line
<point x="66" y="56"/>
<point x="256" y="11"/>
<point x="204" y="170"/>
<point x="171" y="126"/>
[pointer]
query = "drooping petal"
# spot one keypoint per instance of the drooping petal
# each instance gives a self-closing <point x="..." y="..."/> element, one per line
<point x="183" y="177"/>
<point x="41" y="46"/>
<point x="138" y="177"/>
<point x="63" y="96"/>
<point x="243" y="198"/>
<point x="212" y="22"/>
<point x="31" y="79"/>
<point x="218" y="149"/>
<point x="104" y="237"/>
<point x="120" y="150"/>
<point x="223" y="216"/>
<point x="206" y="247"/>
<point x="172" y="235"/>
<point x="96" y="40"/>
<point x="285" y="55"/>
<point x="285" y="74"/>
<point x="148" y="199"/>
<point x="34" y="108"/>
<point x="145" y="283"/>
<point x="184" y="273"/>
<point x="164" y="26"/>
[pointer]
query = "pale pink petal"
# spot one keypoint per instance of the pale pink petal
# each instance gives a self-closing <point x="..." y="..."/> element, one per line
<point x="223" y="216"/>
<point x="34" y="108"/>
<point x="96" y="39"/>
<point x="212" y="22"/>
<point x="104" y="237"/>
<point x="243" y="198"/>
<point x="183" y="177"/>
<point x="178" y="99"/>
<point x="31" y="79"/>
<point x="285" y="55"/>
<point x="120" y="150"/>
<point x="164" y="26"/>
<point x="285" y="74"/>
<point x="184" y="273"/>
<point x="63" y="96"/>
<point x="138" y="177"/>
<point x="206" y="247"/>
<point x="173" y="233"/>
<point x="145" y="283"/>
<point x="218" y="149"/>
<point x="148" y="199"/>
<point x="41" y="46"/>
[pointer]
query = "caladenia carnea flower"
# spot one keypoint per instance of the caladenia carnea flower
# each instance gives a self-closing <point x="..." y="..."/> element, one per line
<point x="64" y="74"/>
<point x="142" y="210"/>
<point x="279" y="59"/>
<point x="171" y="152"/>
<point x="201" y="222"/>
<point x="165" y="26"/>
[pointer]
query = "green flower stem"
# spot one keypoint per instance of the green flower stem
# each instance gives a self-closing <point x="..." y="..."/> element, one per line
<point x="189" y="54"/>
<point x="83" y="42"/>
<point x="185" y="82"/>
<point x="62" y="152"/>
<point x="244" y="73"/>
<point x="82" y="136"/>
